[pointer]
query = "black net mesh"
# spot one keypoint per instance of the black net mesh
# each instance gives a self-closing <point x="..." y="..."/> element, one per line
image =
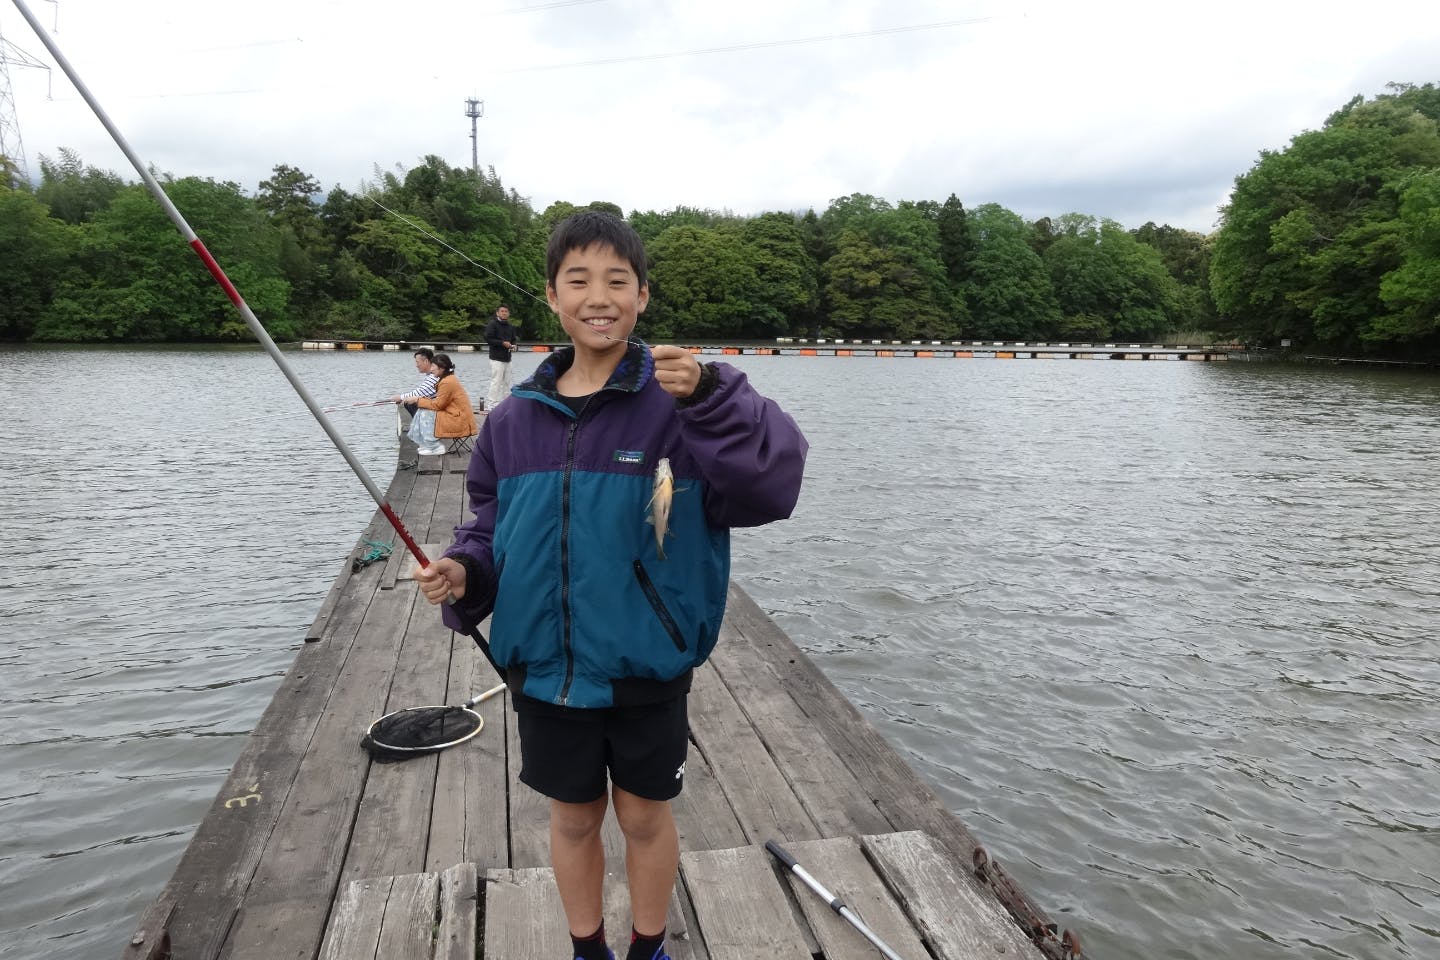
<point x="420" y="730"/>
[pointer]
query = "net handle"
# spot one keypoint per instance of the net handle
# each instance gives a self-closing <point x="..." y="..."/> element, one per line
<point x="484" y="696"/>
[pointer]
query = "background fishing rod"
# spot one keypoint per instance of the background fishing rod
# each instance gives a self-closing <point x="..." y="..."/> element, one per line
<point x="246" y="313"/>
<point x="503" y="279"/>
<point x="333" y="408"/>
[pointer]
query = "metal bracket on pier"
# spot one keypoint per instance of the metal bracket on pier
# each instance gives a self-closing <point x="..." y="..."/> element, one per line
<point x="1041" y="930"/>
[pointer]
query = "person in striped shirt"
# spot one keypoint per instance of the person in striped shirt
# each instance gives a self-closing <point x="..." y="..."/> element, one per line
<point x="425" y="364"/>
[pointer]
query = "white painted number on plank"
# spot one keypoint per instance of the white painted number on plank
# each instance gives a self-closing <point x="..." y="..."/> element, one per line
<point x="241" y="801"/>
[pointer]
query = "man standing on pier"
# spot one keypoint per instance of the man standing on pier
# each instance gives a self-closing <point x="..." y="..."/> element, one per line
<point x="501" y="337"/>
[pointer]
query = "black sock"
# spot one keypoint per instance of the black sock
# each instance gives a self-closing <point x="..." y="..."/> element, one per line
<point x="591" y="947"/>
<point x="643" y="947"/>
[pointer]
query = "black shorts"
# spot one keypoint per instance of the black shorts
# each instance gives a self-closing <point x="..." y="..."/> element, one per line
<point x="565" y="753"/>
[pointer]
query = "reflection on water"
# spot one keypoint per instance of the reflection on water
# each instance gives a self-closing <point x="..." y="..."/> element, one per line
<point x="1162" y="634"/>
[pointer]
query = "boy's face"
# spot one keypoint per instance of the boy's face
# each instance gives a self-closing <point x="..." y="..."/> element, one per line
<point x="598" y="297"/>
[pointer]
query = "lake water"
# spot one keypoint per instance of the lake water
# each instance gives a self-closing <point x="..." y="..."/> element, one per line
<point x="1163" y="635"/>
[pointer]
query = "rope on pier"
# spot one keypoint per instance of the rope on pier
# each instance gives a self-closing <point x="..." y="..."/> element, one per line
<point x="375" y="552"/>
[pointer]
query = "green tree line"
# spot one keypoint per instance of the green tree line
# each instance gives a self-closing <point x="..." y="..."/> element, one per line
<point x="1332" y="242"/>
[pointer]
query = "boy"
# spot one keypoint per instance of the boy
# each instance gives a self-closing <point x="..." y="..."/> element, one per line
<point x="597" y="634"/>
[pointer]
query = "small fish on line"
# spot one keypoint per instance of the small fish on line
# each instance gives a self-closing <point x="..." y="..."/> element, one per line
<point x="660" y="498"/>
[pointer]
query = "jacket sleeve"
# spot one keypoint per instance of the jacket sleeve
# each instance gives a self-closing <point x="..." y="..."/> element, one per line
<point x="492" y="332"/>
<point x="473" y="543"/>
<point x="751" y="452"/>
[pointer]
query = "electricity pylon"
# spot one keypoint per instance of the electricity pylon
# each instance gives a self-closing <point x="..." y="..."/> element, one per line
<point x="12" y="147"/>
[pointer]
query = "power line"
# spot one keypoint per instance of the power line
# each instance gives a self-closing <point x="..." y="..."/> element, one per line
<point x="758" y="45"/>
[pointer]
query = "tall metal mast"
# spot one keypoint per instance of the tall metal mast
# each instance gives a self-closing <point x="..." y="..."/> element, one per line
<point x="474" y="109"/>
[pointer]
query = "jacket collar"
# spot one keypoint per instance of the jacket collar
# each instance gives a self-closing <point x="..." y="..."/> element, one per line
<point x="631" y="374"/>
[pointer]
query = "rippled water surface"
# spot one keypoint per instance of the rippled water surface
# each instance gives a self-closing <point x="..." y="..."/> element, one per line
<point x="1163" y="635"/>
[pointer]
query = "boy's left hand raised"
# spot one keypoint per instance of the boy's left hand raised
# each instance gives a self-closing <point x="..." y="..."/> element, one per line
<point x="676" y="370"/>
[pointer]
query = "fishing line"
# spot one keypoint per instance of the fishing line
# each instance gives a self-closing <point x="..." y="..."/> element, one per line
<point x="503" y="279"/>
<point x="342" y="408"/>
<point x="251" y="321"/>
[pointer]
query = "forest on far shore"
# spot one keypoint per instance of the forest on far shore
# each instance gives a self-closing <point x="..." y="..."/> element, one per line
<point x="1332" y="244"/>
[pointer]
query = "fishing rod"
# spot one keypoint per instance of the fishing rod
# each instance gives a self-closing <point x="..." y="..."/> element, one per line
<point x="246" y="313"/>
<point x="357" y="403"/>
<point x="834" y="902"/>
<point x="339" y="408"/>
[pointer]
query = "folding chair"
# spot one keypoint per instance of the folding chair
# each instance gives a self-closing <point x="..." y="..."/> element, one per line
<point x="462" y="444"/>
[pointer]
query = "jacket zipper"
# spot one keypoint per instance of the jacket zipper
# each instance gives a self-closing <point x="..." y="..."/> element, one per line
<point x="565" y="560"/>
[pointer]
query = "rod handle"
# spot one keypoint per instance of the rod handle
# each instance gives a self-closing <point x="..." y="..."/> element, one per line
<point x="781" y="854"/>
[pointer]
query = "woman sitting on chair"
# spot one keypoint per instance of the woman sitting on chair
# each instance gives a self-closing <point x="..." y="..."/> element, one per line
<point x="454" y="418"/>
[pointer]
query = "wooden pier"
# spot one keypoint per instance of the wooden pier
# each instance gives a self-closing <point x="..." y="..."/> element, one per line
<point x="311" y="850"/>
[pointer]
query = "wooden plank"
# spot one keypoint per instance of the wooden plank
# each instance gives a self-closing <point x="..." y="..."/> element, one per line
<point x="821" y="779"/>
<point x="524" y="918"/>
<point x="298" y="873"/>
<point x="354" y="929"/>
<point x="151" y="939"/>
<point x="390" y="835"/>
<point x="409" y="924"/>
<point x="840" y="866"/>
<point x="703" y="815"/>
<point x="459" y="906"/>
<point x="762" y="800"/>
<point x="529" y="810"/>
<point x="391" y="830"/>
<point x="740" y="908"/>
<point x="958" y="922"/>
<point x="468" y="820"/>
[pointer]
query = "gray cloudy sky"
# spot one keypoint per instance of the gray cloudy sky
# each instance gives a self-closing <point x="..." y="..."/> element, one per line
<point x="1133" y="111"/>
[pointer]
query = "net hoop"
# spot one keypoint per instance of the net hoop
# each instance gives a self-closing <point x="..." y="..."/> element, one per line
<point x="429" y="747"/>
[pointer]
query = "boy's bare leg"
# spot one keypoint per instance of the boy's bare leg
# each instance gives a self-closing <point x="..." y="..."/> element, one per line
<point x="652" y="857"/>
<point x="579" y="861"/>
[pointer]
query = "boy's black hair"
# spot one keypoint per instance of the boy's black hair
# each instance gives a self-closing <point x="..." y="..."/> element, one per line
<point x="585" y="228"/>
<point x="425" y="352"/>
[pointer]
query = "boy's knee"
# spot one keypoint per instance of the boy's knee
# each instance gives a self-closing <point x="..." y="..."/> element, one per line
<point x="640" y="819"/>
<point x="577" y="821"/>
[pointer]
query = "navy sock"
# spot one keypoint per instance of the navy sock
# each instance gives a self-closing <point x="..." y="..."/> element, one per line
<point x="645" y="948"/>
<point x="591" y="947"/>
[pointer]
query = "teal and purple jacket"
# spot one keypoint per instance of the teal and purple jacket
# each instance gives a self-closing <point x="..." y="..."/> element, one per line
<point x="561" y="551"/>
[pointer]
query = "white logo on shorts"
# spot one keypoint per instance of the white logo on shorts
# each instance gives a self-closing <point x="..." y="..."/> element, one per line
<point x="680" y="771"/>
